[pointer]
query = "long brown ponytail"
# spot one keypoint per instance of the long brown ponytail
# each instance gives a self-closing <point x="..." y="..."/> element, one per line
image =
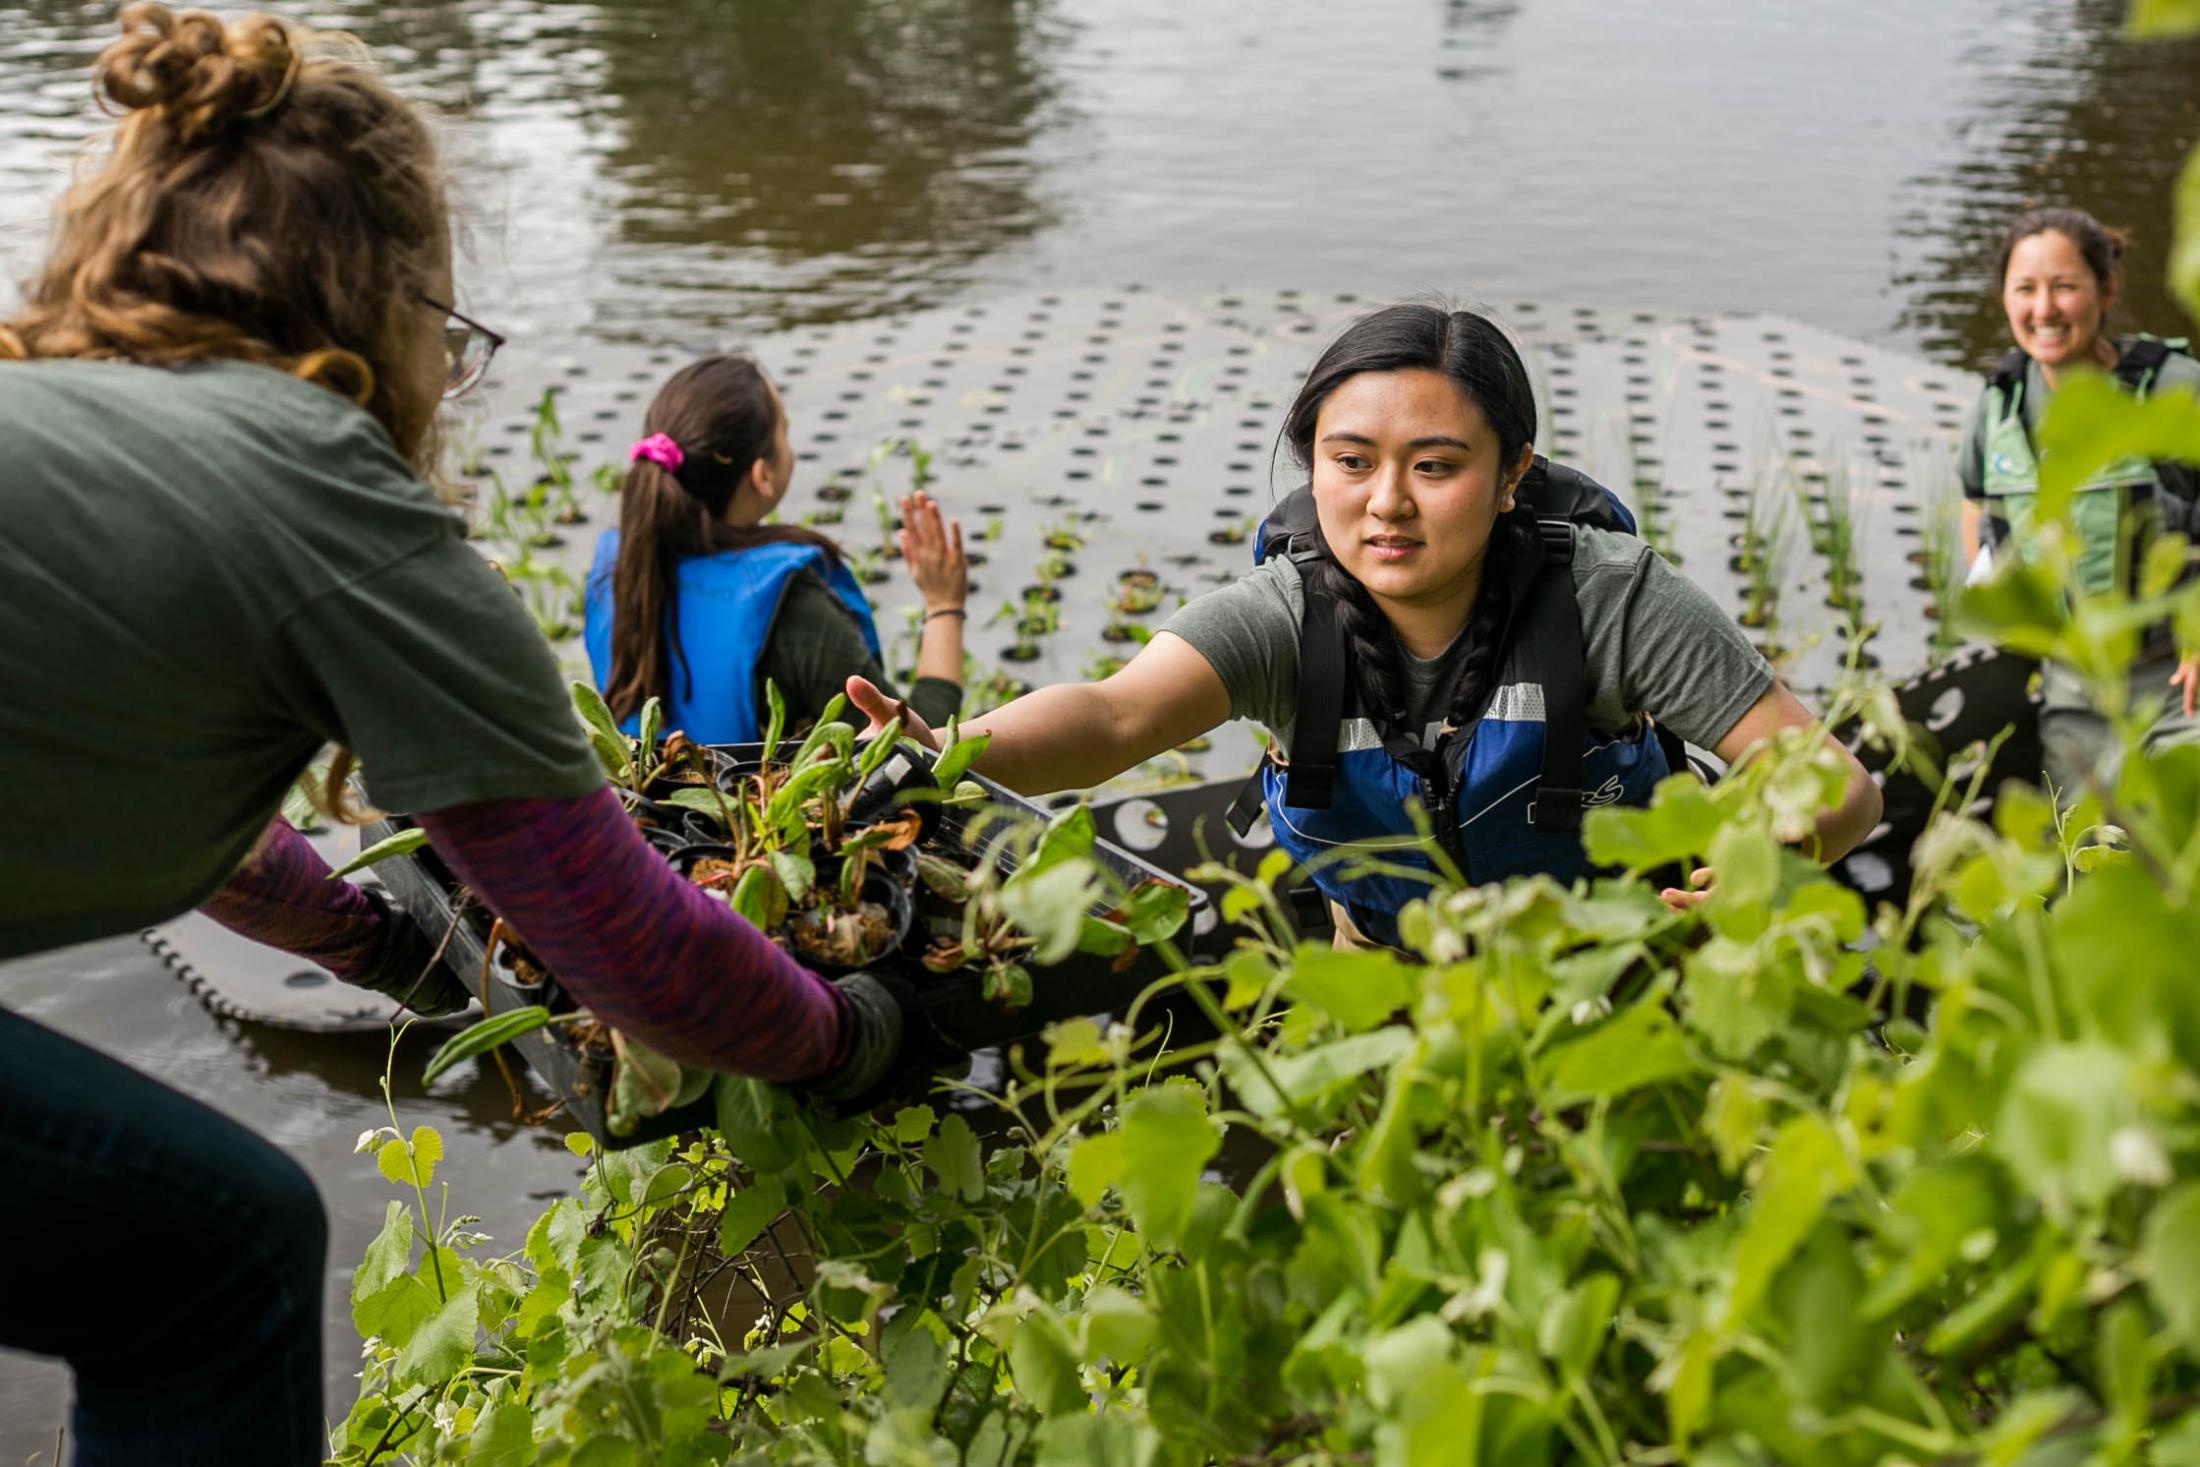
<point x="722" y="413"/>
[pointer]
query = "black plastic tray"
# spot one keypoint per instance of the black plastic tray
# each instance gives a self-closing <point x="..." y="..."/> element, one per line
<point x="1081" y="984"/>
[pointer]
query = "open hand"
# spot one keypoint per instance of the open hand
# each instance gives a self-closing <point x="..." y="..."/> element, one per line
<point x="887" y="713"/>
<point x="932" y="551"/>
<point x="1699" y="881"/>
<point x="2187" y="678"/>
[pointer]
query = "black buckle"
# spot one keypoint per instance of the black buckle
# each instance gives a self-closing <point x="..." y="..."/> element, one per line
<point x="1556" y="809"/>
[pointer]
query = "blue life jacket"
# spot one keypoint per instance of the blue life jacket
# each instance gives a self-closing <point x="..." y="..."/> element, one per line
<point x="717" y="625"/>
<point x="1505" y="790"/>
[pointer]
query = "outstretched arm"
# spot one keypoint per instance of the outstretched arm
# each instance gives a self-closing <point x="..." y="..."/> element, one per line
<point x="651" y="955"/>
<point x="1076" y="735"/>
<point x="1840" y="828"/>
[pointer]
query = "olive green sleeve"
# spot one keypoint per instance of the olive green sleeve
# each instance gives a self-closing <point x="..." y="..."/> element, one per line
<point x="815" y="646"/>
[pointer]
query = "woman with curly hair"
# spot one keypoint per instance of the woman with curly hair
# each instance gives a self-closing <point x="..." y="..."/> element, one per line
<point x="216" y="410"/>
<point x="1438" y="603"/>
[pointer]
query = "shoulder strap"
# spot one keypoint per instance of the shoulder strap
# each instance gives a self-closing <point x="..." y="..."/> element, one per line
<point x="1312" y="773"/>
<point x="1554" y="626"/>
<point x="2008" y="378"/>
<point x="2140" y="359"/>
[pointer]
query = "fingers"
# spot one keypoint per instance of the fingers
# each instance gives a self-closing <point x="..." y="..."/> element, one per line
<point x="1699" y="880"/>
<point x="885" y="713"/>
<point x="873" y="704"/>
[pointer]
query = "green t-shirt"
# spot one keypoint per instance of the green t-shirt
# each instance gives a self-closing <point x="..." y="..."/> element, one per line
<point x="211" y="572"/>
<point x="1653" y="643"/>
<point x="813" y="646"/>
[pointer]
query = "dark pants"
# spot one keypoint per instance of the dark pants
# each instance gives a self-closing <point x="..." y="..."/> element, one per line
<point x="173" y="1258"/>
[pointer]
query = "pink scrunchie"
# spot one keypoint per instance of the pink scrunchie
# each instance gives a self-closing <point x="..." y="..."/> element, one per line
<point x="660" y="450"/>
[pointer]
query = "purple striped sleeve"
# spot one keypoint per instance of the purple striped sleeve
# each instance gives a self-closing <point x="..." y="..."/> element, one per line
<point x="650" y="954"/>
<point x="282" y="896"/>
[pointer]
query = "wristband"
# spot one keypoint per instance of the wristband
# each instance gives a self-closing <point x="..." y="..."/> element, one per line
<point x="954" y="611"/>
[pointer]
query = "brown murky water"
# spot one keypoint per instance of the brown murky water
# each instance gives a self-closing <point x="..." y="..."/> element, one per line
<point x="682" y="172"/>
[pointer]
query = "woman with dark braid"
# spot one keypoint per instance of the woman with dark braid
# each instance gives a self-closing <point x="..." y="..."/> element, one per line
<point x="216" y="411"/>
<point x="1451" y="602"/>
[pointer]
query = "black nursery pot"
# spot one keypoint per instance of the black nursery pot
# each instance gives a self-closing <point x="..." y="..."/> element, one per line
<point x="904" y="781"/>
<point x="888" y="885"/>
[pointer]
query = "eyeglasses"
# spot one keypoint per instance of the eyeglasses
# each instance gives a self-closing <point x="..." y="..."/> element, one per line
<point x="467" y="344"/>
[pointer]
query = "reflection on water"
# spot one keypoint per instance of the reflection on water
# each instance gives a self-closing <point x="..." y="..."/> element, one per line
<point x="2053" y="113"/>
<point x="690" y="170"/>
<point x="866" y="156"/>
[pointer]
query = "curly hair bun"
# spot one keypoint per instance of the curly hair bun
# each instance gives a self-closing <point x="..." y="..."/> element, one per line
<point x="195" y="73"/>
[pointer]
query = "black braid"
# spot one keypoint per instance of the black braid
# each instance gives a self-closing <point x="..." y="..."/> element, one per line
<point x="1371" y="647"/>
<point x="1485" y="629"/>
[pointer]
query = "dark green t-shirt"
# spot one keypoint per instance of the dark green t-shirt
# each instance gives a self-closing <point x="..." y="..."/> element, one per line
<point x="209" y="573"/>
<point x="814" y="645"/>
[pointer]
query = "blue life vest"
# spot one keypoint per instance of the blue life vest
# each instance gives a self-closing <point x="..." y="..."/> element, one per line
<point x="1504" y="791"/>
<point x="718" y="623"/>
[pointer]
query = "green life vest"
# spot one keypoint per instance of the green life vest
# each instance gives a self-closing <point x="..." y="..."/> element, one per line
<point x="2101" y="511"/>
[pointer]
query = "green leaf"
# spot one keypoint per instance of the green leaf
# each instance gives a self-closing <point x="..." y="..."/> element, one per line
<point x="664" y="1184"/>
<point x="797" y="873"/>
<point x="959" y="757"/>
<point x="1049" y="903"/>
<point x="1677" y="826"/>
<point x="388" y="1257"/>
<point x="1044" y="1364"/>
<point x="775" y="723"/>
<point x="1358" y="987"/>
<point x="487" y="1035"/>
<point x="1736" y="997"/>
<point x="1156" y="910"/>
<point x="643" y="1083"/>
<point x="2170" y="1252"/>
<point x="2157" y="19"/>
<point x="612" y="750"/>
<point x="2056" y="1121"/>
<point x="427" y="1150"/>
<point x="404" y="843"/>
<point x="2091" y="423"/>
<point x="759" y="898"/>
<point x="759" y="1123"/>
<point x="1639" y="1046"/>
<point x="1153" y="1158"/>
<point x="1310" y="1074"/>
<point x="1067" y="836"/>
<point x="443" y="1344"/>
<point x="717" y="804"/>
<point x="1807" y="1165"/>
<point x="395" y="1311"/>
<point x="2184" y="255"/>
<point x="747" y="1214"/>
<point x="1572" y="1330"/>
<point x="953" y="1154"/>
<point x="505" y="1437"/>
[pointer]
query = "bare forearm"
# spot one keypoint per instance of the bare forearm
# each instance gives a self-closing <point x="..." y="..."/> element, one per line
<point x="1843" y="827"/>
<point x="940" y="650"/>
<point x="1062" y="737"/>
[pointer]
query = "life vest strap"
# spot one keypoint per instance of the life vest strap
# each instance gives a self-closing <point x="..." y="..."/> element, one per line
<point x="1557" y="659"/>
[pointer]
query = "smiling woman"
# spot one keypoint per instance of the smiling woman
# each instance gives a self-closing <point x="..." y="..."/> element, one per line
<point x="2060" y="272"/>
<point x="1472" y="626"/>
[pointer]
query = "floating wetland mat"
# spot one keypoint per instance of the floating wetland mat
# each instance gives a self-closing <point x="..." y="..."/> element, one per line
<point x="1091" y="439"/>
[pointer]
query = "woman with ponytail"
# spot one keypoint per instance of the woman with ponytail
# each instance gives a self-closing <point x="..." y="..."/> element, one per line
<point x="1449" y="601"/>
<point x="696" y="601"/>
<point x="216" y="410"/>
